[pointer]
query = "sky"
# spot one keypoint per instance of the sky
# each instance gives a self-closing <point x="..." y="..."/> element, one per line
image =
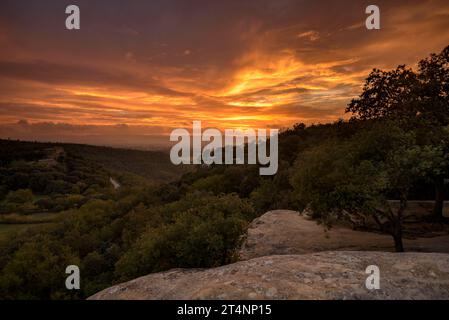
<point x="138" y="69"/>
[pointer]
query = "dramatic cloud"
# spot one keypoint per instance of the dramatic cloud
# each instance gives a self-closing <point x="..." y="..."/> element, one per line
<point x="158" y="65"/>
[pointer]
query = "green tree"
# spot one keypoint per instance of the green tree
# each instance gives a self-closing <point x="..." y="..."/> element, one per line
<point x="434" y="106"/>
<point x="205" y="232"/>
<point x="36" y="270"/>
<point x="355" y="177"/>
<point x="20" y="196"/>
<point x="417" y="101"/>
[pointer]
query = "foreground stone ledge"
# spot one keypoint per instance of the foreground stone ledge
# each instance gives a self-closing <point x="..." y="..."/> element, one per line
<point x="325" y="275"/>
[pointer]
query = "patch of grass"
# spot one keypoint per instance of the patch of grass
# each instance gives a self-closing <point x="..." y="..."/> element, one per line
<point x="36" y="218"/>
<point x="14" y="223"/>
<point x="8" y="230"/>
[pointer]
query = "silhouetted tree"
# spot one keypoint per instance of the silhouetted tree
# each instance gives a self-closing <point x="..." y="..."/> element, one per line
<point x="417" y="101"/>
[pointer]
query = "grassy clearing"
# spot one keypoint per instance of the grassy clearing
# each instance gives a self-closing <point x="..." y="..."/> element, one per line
<point x="8" y="230"/>
<point x="36" y="218"/>
<point x="13" y="223"/>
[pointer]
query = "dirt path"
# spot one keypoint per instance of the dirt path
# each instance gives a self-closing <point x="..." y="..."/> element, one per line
<point x="114" y="183"/>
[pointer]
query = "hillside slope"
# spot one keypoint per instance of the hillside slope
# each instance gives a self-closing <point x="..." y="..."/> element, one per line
<point x="152" y="165"/>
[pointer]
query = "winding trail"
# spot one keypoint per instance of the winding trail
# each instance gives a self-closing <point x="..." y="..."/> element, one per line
<point x="114" y="183"/>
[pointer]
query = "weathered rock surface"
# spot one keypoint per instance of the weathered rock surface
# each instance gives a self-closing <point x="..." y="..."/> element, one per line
<point x="325" y="275"/>
<point x="287" y="232"/>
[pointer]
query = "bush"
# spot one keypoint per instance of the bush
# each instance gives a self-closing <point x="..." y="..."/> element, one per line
<point x="205" y="235"/>
<point x="20" y="196"/>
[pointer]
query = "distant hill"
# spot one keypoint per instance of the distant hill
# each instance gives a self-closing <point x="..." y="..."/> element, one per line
<point x="153" y="165"/>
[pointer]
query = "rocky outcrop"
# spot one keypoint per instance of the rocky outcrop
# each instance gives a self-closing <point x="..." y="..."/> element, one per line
<point x="288" y="232"/>
<point x="326" y="275"/>
<point x="288" y="256"/>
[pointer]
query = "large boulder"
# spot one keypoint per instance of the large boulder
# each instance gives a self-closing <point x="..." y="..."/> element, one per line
<point x="289" y="232"/>
<point x="326" y="275"/>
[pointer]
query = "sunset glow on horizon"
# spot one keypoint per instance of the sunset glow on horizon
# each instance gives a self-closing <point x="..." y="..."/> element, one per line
<point x="138" y="69"/>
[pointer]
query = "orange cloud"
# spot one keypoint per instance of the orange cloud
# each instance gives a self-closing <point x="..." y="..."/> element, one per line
<point x="251" y="66"/>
